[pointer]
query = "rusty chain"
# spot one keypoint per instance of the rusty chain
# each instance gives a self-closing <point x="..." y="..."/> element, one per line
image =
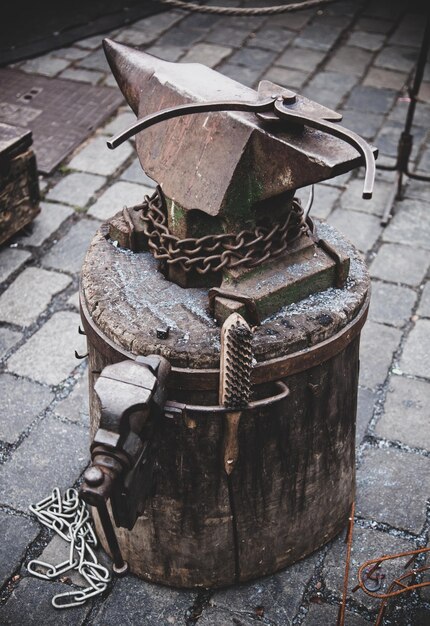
<point x="211" y="253"/>
<point x="250" y="11"/>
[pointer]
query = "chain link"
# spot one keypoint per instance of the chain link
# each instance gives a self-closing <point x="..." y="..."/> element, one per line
<point x="211" y="253"/>
<point x="274" y="10"/>
<point x="70" y="518"/>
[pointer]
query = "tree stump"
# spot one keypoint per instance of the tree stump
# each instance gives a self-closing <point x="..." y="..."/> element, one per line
<point x="19" y="185"/>
<point x="293" y="484"/>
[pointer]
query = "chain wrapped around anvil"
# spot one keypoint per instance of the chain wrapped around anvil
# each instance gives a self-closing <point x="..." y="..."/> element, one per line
<point x="211" y="253"/>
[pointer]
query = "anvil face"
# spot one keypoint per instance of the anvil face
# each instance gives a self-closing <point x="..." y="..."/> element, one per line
<point x="227" y="164"/>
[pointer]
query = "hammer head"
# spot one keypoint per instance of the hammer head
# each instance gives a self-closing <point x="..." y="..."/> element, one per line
<point x="231" y="166"/>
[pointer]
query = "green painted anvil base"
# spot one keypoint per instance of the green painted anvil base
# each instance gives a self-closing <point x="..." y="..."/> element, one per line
<point x="299" y="273"/>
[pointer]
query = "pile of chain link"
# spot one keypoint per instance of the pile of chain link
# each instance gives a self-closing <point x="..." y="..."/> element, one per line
<point x="70" y="518"/>
<point x="248" y="248"/>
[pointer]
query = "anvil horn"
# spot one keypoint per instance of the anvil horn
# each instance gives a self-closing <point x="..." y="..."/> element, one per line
<point x="221" y="163"/>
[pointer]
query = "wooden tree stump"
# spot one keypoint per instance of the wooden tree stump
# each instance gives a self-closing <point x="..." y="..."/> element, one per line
<point x="19" y="185"/>
<point x="293" y="484"/>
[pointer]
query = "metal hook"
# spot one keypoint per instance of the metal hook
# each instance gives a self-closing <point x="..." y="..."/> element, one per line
<point x="80" y="356"/>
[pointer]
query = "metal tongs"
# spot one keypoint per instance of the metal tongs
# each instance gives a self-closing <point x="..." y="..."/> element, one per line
<point x="281" y="106"/>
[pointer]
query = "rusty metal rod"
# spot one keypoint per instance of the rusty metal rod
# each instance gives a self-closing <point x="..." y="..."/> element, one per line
<point x="120" y="566"/>
<point x="189" y="109"/>
<point x="349" y="536"/>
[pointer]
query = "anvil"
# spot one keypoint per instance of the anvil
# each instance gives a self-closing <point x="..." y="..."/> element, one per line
<point x="224" y="171"/>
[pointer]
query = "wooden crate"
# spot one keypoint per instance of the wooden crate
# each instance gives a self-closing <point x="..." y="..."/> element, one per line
<point x="19" y="186"/>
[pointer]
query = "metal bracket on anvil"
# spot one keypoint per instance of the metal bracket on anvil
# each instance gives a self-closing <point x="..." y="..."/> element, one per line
<point x="282" y="105"/>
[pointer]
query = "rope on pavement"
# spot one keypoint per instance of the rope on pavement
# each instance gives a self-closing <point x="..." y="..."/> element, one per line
<point x="283" y="8"/>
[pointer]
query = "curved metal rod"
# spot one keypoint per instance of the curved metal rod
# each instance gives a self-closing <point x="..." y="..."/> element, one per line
<point x="337" y="131"/>
<point x="275" y="104"/>
<point x="188" y="109"/>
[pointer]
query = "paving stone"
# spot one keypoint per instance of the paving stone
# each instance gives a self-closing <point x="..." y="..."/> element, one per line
<point x="116" y="197"/>
<point x="224" y="617"/>
<point x="378" y="344"/>
<point x="424" y="306"/>
<point x="371" y="99"/>
<point x="384" y="10"/>
<point x="364" y="123"/>
<point x="180" y="36"/>
<point x="367" y="544"/>
<point x="8" y="339"/>
<point x="402" y="264"/>
<point x="199" y="21"/>
<point x="325" y="198"/>
<point x="246" y="75"/>
<point x="11" y="260"/>
<point x="69" y="252"/>
<point x="424" y="93"/>
<point x="49" y="220"/>
<point x="300" y="59"/>
<point x="319" y="614"/>
<point x="255" y="58"/>
<point x="110" y="81"/>
<point x="74" y="300"/>
<point x="388" y="139"/>
<point x="145" y="604"/>
<point x="410" y="225"/>
<point x="30" y="605"/>
<point x="226" y="37"/>
<point x="44" y="460"/>
<point x="160" y="22"/>
<point x="293" y="21"/>
<point x="71" y="53"/>
<point x="386" y="79"/>
<point x="397" y="58"/>
<point x="76" y="189"/>
<point x="20" y="402"/>
<point x="135" y="174"/>
<point x="135" y="37"/>
<point x="352" y="199"/>
<point x="75" y="407"/>
<point x="384" y="492"/>
<point x="349" y="60"/>
<point x="166" y="52"/>
<point x="95" y="61"/>
<point x="332" y="87"/>
<point x="90" y="43"/>
<point x="48" y="356"/>
<point x="96" y="158"/>
<point x="360" y="228"/>
<point x="17" y="533"/>
<point x="416" y="353"/>
<point x="318" y="36"/>
<point x="48" y="65"/>
<point x="207" y="53"/>
<point x="84" y="76"/>
<point x="280" y="594"/>
<point x="123" y="120"/>
<point x="29" y="295"/>
<point x="409" y="32"/>
<point x="291" y="79"/>
<point x="271" y="38"/>
<point x="371" y="25"/>
<point x="405" y="415"/>
<point x="391" y="304"/>
<point x="365" y="406"/>
<point x="424" y="162"/>
<point x="366" y="40"/>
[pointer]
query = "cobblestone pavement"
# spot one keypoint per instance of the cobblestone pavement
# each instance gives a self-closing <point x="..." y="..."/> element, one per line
<point x="353" y="56"/>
